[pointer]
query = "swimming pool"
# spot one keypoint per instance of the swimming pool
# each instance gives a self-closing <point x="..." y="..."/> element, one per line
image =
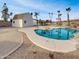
<point x="57" y="33"/>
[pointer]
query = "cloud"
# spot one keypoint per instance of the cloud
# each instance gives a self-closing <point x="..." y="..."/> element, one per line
<point x="37" y="5"/>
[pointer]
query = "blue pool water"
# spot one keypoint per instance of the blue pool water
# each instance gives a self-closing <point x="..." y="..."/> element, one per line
<point x="57" y="33"/>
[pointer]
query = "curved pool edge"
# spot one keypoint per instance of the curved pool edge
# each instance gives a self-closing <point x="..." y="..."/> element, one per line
<point x="53" y="49"/>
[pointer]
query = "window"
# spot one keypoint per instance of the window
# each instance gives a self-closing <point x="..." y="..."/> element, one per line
<point x="13" y="21"/>
<point x="25" y="22"/>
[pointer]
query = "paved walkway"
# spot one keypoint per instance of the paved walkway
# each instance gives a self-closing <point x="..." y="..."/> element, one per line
<point x="10" y="40"/>
<point x="30" y="51"/>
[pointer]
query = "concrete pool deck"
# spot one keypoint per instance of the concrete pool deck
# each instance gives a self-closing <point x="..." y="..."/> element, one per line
<point x="50" y="44"/>
<point x="27" y="51"/>
<point x="10" y="40"/>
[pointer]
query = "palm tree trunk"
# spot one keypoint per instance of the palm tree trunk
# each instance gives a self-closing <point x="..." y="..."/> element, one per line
<point x="60" y="22"/>
<point x="37" y="20"/>
<point x="68" y="19"/>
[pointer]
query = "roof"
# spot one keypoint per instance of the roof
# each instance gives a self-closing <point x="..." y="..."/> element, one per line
<point x="19" y="16"/>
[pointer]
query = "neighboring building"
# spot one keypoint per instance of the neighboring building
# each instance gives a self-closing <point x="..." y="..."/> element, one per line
<point x="22" y="20"/>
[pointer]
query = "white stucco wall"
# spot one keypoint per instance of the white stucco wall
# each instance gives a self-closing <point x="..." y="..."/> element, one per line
<point x="26" y="21"/>
<point x="17" y="23"/>
<point x="29" y="20"/>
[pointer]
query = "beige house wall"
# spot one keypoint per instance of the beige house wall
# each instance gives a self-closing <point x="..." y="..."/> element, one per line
<point x="17" y="23"/>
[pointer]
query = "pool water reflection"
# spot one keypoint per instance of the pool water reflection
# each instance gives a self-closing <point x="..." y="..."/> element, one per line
<point x="57" y="33"/>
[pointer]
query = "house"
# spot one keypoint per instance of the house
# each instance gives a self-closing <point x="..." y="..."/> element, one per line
<point x="22" y="20"/>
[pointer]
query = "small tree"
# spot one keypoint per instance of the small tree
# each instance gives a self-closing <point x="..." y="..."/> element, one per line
<point x="5" y="13"/>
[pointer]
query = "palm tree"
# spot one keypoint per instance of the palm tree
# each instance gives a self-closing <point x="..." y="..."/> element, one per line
<point x="11" y="13"/>
<point x="50" y="14"/>
<point x="59" y="17"/>
<point x="58" y="13"/>
<point x="36" y="15"/>
<point x="5" y="14"/>
<point x="68" y="10"/>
